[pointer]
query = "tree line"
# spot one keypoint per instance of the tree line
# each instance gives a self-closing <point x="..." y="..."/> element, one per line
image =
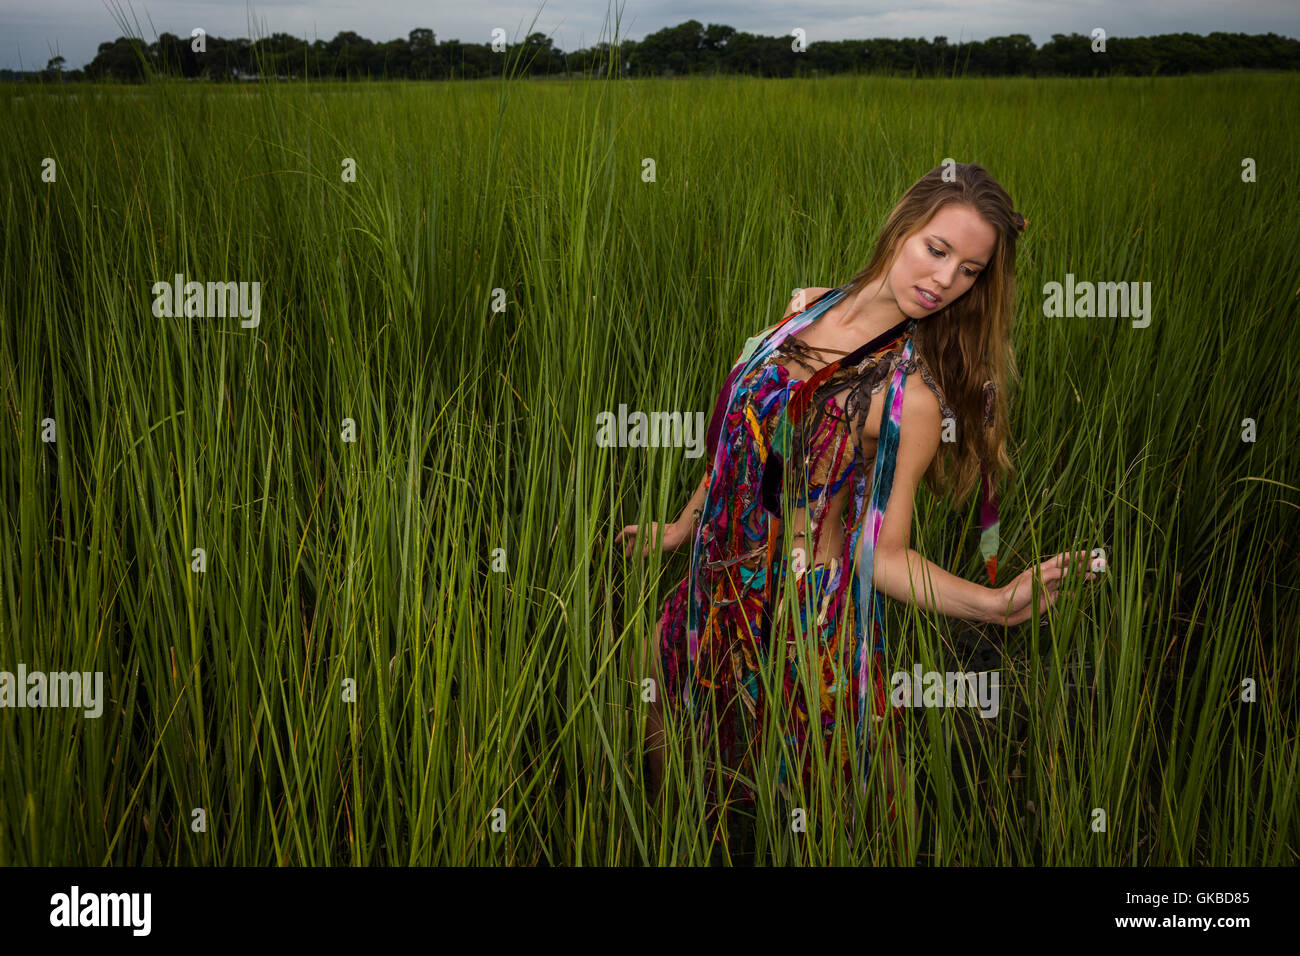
<point x="686" y="49"/>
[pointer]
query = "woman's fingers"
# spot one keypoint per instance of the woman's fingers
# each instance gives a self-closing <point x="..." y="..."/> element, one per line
<point x="1049" y="576"/>
<point x="1067" y="562"/>
<point x="632" y="533"/>
<point x="1067" y="559"/>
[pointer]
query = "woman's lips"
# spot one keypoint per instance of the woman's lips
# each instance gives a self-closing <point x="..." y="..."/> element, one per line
<point x="921" y="297"/>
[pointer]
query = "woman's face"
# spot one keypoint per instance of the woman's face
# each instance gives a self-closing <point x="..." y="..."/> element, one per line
<point x="944" y="258"/>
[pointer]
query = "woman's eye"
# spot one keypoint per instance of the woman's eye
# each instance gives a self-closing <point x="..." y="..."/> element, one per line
<point x="938" y="254"/>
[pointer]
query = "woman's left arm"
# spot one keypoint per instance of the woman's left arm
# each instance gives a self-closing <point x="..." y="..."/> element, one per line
<point x="901" y="572"/>
<point x="906" y="575"/>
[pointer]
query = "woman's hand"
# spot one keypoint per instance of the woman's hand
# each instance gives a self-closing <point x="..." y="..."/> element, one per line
<point x="1013" y="603"/>
<point x="674" y="536"/>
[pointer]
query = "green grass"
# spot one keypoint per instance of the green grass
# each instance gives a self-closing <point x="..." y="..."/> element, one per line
<point x="373" y="560"/>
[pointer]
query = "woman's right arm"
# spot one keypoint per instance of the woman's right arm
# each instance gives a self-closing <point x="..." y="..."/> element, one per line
<point x="681" y="530"/>
<point x="690" y="515"/>
<point x="675" y="534"/>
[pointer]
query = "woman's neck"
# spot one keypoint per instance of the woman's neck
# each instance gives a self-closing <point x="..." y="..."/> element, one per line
<point x="871" y="312"/>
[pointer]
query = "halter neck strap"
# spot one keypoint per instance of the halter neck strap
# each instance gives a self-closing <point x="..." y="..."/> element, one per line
<point x="903" y="328"/>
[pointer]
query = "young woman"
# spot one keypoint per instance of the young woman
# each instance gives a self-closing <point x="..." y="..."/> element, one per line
<point x="825" y="427"/>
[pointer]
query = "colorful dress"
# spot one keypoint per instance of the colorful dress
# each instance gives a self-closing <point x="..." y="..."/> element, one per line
<point x="783" y="442"/>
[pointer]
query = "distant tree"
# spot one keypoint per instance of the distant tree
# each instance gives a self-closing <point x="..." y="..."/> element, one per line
<point x="716" y="36"/>
<point x="123" y="59"/>
<point x="173" y="56"/>
<point x="424" y="53"/>
<point x="672" y="49"/>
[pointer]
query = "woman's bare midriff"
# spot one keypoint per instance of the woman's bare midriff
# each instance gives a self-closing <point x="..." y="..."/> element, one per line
<point x="830" y="545"/>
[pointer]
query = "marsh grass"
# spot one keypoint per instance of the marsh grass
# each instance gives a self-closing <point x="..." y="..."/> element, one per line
<point x="479" y="690"/>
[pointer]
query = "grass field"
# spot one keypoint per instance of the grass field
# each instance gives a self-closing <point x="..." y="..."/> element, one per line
<point x="357" y="675"/>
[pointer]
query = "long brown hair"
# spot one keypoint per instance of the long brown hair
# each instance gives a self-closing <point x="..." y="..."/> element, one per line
<point x="967" y="344"/>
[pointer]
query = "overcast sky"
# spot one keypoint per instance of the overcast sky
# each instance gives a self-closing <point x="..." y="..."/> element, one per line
<point x="32" y="31"/>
